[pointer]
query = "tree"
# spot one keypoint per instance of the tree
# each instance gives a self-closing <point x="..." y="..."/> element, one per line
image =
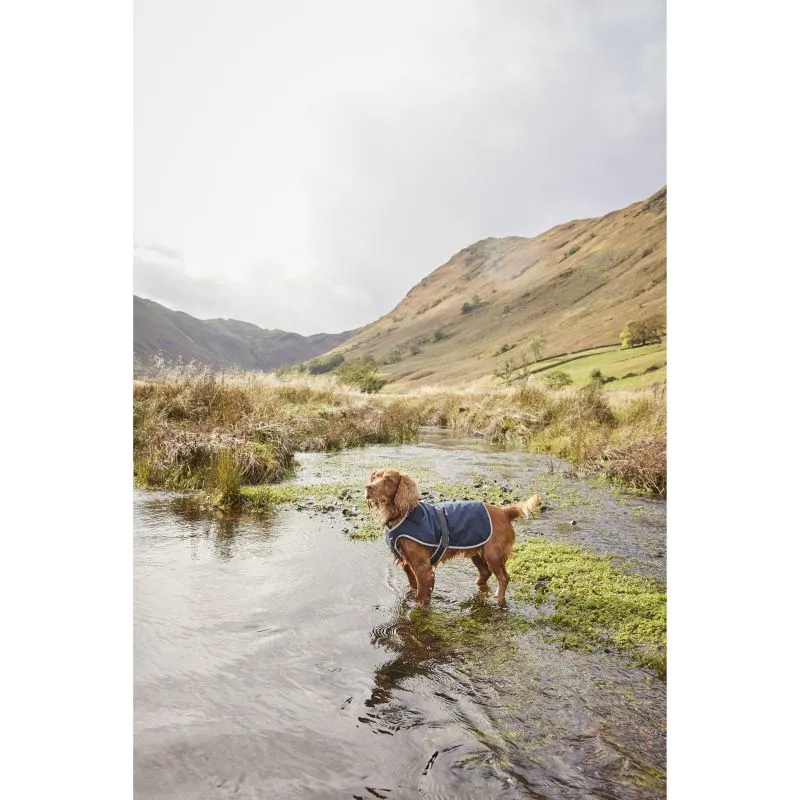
<point x="524" y="363"/>
<point x="652" y="329"/>
<point x="644" y="331"/>
<point x="536" y="346"/>
<point x="630" y="335"/>
<point x="508" y="371"/>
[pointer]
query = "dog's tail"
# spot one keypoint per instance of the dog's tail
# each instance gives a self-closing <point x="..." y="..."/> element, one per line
<point x="523" y="509"/>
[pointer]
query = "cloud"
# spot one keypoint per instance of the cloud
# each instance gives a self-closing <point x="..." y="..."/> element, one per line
<point x="317" y="306"/>
<point x="286" y="151"/>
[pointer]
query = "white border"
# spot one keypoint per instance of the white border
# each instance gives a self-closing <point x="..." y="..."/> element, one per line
<point x="66" y="210"/>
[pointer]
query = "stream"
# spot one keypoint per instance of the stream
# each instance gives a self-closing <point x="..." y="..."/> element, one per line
<point x="274" y="657"/>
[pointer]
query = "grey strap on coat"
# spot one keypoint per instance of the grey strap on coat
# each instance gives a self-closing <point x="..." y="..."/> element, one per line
<point x="445" y="541"/>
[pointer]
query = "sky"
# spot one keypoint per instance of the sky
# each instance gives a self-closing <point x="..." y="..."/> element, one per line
<point x="301" y="165"/>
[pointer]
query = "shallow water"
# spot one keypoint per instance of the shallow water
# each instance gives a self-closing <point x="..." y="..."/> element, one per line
<point x="278" y="658"/>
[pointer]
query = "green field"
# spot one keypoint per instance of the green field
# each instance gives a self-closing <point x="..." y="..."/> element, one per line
<point x="612" y="362"/>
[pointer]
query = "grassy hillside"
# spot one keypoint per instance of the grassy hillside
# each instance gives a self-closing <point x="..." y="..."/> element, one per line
<point x="220" y="342"/>
<point x="576" y="286"/>
<point x="630" y="368"/>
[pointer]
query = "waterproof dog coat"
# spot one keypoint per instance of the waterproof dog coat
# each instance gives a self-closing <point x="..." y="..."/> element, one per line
<point x="464" y="525"/>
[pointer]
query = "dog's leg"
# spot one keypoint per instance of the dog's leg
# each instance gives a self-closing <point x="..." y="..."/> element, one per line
<point x="496" y="564"/>
<point x="484" y="573"/>
<point x="506" y="579"/>
<point x="425" y="579"/>
<point x="412" y="579"/>
<point x="417" y="558"/>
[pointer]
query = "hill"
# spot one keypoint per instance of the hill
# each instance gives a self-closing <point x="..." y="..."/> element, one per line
<point x="576" y="285"/>
<point x="220" y="342"/>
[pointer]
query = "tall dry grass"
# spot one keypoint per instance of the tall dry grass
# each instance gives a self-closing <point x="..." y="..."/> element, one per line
<point x="184" y="419"/>
<point x="620" y="435"/>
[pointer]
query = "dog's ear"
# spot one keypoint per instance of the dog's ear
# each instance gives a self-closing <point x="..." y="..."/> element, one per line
<point x="407" y="495"/>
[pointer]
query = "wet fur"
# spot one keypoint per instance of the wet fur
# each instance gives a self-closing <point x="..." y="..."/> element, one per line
<point x="392" y="494"/>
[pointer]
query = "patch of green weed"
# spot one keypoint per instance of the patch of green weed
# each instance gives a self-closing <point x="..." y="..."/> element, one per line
<point x="595" y="603"/>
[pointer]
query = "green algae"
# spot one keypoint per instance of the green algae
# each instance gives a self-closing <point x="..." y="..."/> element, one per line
<point x="594" y="604"/>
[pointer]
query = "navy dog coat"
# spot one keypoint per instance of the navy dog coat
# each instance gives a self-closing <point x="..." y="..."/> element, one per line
<point x="467" y="525"/>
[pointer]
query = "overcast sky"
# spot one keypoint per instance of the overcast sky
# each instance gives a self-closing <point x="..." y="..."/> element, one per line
<point x="301" y="165"/>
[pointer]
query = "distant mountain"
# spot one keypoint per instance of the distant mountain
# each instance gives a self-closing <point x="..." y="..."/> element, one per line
<point x="220" y="342"/>
<point x="576" y="285"/>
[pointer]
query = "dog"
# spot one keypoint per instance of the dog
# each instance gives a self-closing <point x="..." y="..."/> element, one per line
<point x="483" y="532"/>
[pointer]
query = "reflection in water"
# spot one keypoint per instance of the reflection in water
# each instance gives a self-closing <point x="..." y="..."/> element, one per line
<point x="561" y="723"/>
<point x="416" y="647"/>
<point x="425" y="640"/>
<point x="218" y="527"/>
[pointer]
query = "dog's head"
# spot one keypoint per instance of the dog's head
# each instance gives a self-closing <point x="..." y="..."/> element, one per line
<point x="391" y="493"/>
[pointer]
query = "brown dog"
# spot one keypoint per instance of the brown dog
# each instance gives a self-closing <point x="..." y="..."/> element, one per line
<point x="393" y="495"/>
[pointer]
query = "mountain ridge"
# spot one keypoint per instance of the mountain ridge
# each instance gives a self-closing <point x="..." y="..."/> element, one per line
<point x="218" y="342"/>
<point x="576" y="285"/>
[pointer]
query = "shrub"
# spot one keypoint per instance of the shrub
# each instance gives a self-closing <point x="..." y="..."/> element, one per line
<point x="530" y="397"/>
<point x="437" y="335"/>
<point x="557" y="379"/>
<point x="371" y="384"/>
<point x="187" y="460"/>
<point x="394" y="356"/>
<point x="362" y="374"/>
<point x="592" y="406"/>
<point x="641" y="464"/>
<point x="317" y="366"/>
<point x="226" y="479"/>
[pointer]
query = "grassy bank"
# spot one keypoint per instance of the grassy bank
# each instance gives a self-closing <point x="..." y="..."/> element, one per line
<point x="621" y="435"/>
<point x="196" y="430"/>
